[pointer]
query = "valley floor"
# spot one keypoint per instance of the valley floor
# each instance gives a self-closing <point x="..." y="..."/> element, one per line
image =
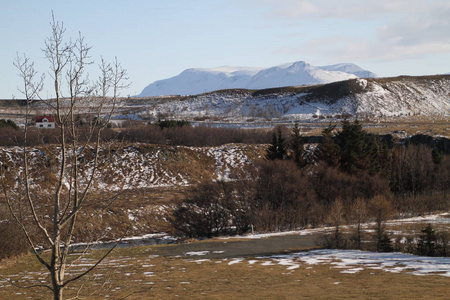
<point x="271" y="266"/>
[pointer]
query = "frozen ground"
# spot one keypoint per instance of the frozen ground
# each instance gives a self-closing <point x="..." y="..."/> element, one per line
<point x="352" y="261"/>
<point x="443" y="218"/>
<point x="231" y="252"/>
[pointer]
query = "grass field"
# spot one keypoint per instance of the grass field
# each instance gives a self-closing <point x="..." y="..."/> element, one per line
<point x="146" y="273"/>
<point x="411" y="125"/>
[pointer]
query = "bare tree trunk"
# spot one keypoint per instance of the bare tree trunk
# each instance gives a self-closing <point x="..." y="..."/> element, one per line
<point x="68" y="62"/>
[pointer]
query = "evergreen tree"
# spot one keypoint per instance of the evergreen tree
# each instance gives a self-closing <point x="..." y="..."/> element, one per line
<point x="277" y="150"/>
<point x="385" y="244"/>
<point x="427" y="243"/>
<point x="377" y="154"/>
<point x="8" y="123"/>
<point x="438" y="156"/>
<point x="352" y="141"/>
<point x="296" y="146"/>
<point x="328" y="150"/>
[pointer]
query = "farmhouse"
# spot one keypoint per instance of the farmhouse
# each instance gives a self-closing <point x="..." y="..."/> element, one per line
<point x="45" y="122"/>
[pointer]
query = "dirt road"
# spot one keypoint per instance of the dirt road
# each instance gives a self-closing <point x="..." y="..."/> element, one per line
<point x="230" y="248"/>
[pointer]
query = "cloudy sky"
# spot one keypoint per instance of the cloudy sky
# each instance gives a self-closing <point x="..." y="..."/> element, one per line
<point x="157" y="39"/>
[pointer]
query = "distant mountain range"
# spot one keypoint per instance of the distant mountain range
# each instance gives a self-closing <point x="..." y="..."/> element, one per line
<point x="197" y="81"/>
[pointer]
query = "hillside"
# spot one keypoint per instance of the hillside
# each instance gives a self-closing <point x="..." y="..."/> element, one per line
<point x="371" y="97"/>
<point x="134" y="166"/>
<point x="135" y="179"/>
<point x="398" y="96"/>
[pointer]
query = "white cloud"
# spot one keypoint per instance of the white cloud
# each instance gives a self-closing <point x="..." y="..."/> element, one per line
<point x="343" y="48"/>
<point x="405" y="28"/>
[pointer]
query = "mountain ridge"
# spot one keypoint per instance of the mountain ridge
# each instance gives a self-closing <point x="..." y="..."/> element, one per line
<point x="200" y="80"/>
<point x="377" y="97"/>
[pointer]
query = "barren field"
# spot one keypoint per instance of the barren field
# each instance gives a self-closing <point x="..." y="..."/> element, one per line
<point x="273" y="266"/>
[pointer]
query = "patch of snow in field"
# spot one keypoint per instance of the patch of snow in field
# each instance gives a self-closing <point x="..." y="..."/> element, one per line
<point x="236" y="261"/>
<point x="200" y="261"/>
<point x="355" y="261"/>
<point x="283" y="233"/>
<point x="291" y="265"/>
<point x="443" y="218"/>
<point x="197" y="253"/>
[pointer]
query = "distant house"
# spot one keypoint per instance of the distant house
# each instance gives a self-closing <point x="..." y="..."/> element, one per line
<point x="45" y="122"/>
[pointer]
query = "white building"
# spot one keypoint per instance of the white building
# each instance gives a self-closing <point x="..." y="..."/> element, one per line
<point x="45" y="122"/>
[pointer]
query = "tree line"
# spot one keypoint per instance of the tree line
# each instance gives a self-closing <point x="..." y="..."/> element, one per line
<point x="170" y="132"/>
<point x="351" y="177"/>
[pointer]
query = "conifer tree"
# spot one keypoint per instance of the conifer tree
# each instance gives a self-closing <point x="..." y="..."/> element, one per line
<point x="385" y="243"/>
<point x="427" y="242"/>
<point x="377" y="154"/>
<point x="352" y="140"/>
<point x="296" y="146"/>
<point x="277" y="150"/>
<point x="328" y="150"/>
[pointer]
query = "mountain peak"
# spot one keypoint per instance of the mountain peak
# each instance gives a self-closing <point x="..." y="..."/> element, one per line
<point x="199" y="80"/>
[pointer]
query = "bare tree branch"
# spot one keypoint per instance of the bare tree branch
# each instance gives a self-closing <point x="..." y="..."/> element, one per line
<point x="68" y="62"/>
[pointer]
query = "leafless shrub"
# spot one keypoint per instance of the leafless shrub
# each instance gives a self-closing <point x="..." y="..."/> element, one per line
<point x="13" y="242"/>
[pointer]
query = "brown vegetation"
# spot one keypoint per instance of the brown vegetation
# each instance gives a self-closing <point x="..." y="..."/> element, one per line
<point x="135" y="273"/>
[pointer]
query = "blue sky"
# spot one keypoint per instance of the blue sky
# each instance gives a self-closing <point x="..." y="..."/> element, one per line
<point x="157" y="39"/>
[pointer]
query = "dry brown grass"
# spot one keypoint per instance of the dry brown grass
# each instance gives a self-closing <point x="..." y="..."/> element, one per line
<point x="412" y="125"/>
<point x="134" y="273"/>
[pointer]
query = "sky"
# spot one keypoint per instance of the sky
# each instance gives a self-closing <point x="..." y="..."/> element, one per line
<point x="158" y="39"/>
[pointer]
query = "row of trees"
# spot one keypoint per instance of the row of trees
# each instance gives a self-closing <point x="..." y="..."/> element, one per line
<point x="164" y="132"/>
<point x="410" y="170"/>
<point x="276" y="196"/>
<point x="350" y="178"/>
<point x="427" y="242"/>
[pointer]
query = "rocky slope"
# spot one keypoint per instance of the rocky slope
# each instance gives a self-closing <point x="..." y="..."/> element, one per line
<point x="135" y="166"/>
<point x="398" y="96"/>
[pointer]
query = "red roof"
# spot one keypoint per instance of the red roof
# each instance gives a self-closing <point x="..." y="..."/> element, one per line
<point x="39" y="119"/>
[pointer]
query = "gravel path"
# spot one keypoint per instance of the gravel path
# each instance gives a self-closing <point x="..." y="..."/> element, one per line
<point x="230" y="248"/>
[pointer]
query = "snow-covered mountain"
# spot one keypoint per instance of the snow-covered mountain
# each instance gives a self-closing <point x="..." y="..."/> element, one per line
<point x="197" y="81"/>
<point x="350" y="68"/>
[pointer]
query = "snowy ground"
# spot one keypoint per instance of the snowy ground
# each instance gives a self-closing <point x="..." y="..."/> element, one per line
<point x="144" y="268"/>
<point x="350" y="261"/>
<point x="443" y="218"/>
<point x="163" y="238"/>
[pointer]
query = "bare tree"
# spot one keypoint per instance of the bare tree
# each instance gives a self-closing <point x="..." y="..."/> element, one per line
<point x="75" y="94"/>
<point x="336" y="218"/>
<point x="358" y="214"/>
<point x="381" y="210"/>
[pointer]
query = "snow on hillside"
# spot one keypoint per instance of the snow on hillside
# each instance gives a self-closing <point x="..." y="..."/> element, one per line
<point x="400" y="96"/>
<point x="143" y="166"/>
<point x="197" y="81"/>
<point x="405" y="97"/>
<point x="351" y="69"/>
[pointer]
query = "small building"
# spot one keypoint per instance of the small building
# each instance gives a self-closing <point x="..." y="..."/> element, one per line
<point x="45" y="122"/>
